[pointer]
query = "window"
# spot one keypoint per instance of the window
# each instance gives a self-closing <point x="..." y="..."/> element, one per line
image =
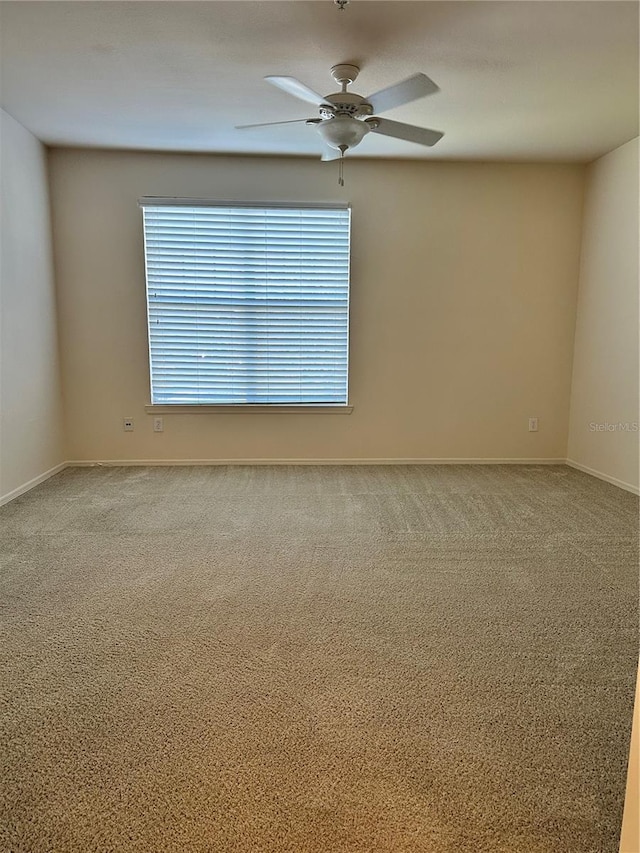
<point x="247" y="304"/>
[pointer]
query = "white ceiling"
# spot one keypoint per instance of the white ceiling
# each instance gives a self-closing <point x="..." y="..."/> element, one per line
<point x="519" y="80"/>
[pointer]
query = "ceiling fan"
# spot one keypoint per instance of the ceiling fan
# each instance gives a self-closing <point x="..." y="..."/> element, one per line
<point x="346" y="118"/>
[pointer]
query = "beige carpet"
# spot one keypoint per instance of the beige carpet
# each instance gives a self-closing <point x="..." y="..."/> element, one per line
<point x="317" y="660"/>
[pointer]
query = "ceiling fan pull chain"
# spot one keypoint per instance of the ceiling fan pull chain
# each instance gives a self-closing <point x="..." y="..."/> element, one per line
<point x="343" y="148"/>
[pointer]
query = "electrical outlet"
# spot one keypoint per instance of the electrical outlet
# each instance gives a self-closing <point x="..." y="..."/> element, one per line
<point x="533" y="425"/>
<point x="127" y="424"/>
<point x="158" y="425"/>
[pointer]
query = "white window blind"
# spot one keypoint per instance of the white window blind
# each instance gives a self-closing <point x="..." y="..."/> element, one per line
<point x="247" y="304"/>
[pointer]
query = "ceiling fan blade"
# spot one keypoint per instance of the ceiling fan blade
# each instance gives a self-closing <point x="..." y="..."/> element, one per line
<point x="408" y="90"/>
<point x="272" y="123"/>
<point x="330" y="154"/>
<point x="297" y="89"/>
<point x="409" y="132"/>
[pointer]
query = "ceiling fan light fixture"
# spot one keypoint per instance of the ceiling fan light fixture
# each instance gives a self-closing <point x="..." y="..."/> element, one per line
<point x="342" y="131"/>
<point x="346" y="117"/>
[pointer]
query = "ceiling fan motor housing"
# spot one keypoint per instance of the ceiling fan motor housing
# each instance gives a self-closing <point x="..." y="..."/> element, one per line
<point x="345" y="103"/>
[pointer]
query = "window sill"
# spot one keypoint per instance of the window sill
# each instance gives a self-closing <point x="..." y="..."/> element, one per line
<point x="167" y="409"/>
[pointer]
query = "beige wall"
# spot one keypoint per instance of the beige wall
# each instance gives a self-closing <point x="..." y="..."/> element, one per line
<point x="30" y="402"/>
<point x="463" y="303"/>
<point x="630" y="835"/>
<point x="605" y="370"/>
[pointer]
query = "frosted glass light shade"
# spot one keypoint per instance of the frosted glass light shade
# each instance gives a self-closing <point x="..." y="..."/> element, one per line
<point x="342" y="131"/>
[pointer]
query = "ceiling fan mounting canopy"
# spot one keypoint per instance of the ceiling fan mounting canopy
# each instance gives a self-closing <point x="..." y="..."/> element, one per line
<point x="346" y="117"/>
<point x="344" y="73"/>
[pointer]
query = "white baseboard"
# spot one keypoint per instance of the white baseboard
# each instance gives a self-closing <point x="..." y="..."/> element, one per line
<point x="621" y="484"/>
<point x="109" y="463"/>
<point x="25" y="487"/>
